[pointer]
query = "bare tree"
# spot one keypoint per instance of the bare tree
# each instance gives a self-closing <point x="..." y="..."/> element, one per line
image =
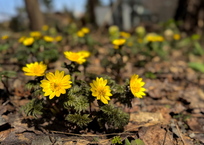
<point x="34" y="14"/>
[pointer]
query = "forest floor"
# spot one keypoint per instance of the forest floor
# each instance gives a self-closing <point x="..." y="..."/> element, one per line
<point x="171" y="113"/>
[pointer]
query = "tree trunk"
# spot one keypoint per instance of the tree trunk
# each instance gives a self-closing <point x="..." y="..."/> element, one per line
<point x="91" y="11"/>
<point x="34" y="14"/>
<point x="191" y="13"/>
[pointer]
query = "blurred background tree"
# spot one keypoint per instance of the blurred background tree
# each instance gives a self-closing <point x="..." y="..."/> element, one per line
<point x="48" y="4"/>
<point x="35" y="16"/>
<point x="130" y="13"/>
<point x="191" y="13"/>
<point x="90" y="16"/>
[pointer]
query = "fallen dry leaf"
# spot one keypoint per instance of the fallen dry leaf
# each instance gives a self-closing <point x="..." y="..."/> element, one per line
<point x="155" y="135"/>
<point x="143" y="119"/>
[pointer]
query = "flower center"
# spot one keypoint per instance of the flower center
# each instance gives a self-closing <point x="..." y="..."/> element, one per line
<point x="55" y="86"/>
<point x="35" y="69"/>
<point x="135" y="89"/>
<point x="101" y="92"/>
<point x="75" y="57"/>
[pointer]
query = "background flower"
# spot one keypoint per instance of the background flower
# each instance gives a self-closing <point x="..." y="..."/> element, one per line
<point x="35" y="34"/>
<point x="136" y="86"/>
<point x="84" y="53"/>
<point x="85" y="30"/>
<point x="80" y="34"/>
<point x="58" y="38"/>
<point x="21" y="39"/>
<point x="118" y="42"/>
<point x="28" y="41"/>
<point x="45" y="27"/>
<point x="56" y="84"/>
<point x="100" y="90"/>
<point x="48" y="38"/>
<point x="4" y="37"/>
<point x="35" y="69"/>
<point x="75" y="57"/>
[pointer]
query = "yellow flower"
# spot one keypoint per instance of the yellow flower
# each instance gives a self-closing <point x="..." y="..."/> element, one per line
<point x="119" y="42"/>
<point x="58" y="38"/>
<point x="85" y="30"/>
<point x="56" y="84"/>
<point x="125" y="34"/>
<point x="100" y="90"/>
<point x="48" y="38"/>
<point x="28" y="41"/>
<point x="35" y="34"/>
<point x="113" y="30"/>
<point x="45" y="27"/>
<point x="74" y="56"/>
<point x="177" y="37"/>
<point x="21" y="39"/>
<point x="136" y="86"/>
<point x="84" y="54"/>
<point x="80" y="34"/>
<point x="35" y="69"/>
<point x="4" y="37"/>
<point x="140" y="31"/>
<point x="159" y="38"/>
<point x="152" y="37"/>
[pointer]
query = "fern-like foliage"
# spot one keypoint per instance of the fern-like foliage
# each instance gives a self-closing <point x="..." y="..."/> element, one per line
<point x="33" y="108"/>
<point x="74" y="90"/>
<point x="34" y="86"/>
<point x="113" y="117"/>
<point x="78" y="103"/>
<point x="76" y="99"/>
<point x="80" y="120"/>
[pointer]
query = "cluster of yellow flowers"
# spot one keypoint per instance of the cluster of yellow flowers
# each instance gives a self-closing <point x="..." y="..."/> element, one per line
<point x="83" y="32"/>
<point x="57" y="83"/>
<point x="36" y="35"/>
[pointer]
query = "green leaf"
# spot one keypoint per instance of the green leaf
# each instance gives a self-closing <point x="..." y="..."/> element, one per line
<point x="127" y="142"/>
<point x="4" y="47"/>
<point x="195" y="36"/>
<point x="76" y="99"/>
<point x="139" y="142"/>
<point x="133" y="142"/>
<point x="150" y="75"/>
<point x="116" y="140"/>
<point x="197" y="66"/>
<point x="198" y="49"/>
<point x="8" y="74"/>
<point x="33" y="108"/>
<point x="113" y="117"/>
